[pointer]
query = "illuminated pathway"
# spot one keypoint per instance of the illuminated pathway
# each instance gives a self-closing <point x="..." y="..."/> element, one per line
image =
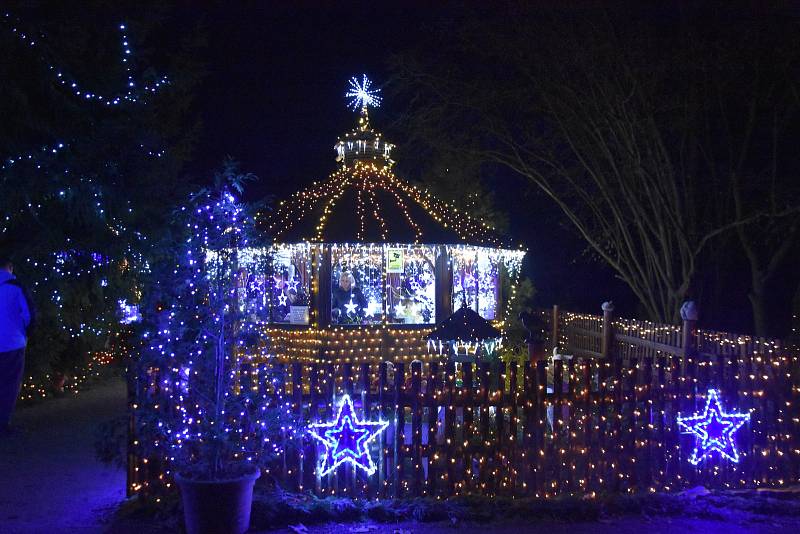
<point x="50" y="480"/>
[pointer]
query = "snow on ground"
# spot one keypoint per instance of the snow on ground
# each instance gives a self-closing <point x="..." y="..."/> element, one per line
<point x="50" y="481"/>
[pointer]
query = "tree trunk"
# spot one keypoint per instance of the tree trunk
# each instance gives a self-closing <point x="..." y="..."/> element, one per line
<point x="758" y="302"/>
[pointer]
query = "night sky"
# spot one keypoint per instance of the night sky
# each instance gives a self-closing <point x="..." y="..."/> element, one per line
<point x="273" y="98"/>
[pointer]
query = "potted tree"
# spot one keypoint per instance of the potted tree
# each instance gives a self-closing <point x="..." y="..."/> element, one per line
<point x="213" y="427"/>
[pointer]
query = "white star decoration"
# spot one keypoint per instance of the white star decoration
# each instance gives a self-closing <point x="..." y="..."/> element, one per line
<point x="373" y="308"/>
<point x="361" y="95"/>
<point x="351" y="307"/>
<point x="282" y="299"/>
<point x="713" y="430"/>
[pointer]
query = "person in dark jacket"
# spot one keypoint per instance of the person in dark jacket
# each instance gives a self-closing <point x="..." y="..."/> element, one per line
<point x="15" y="316"/>
<point x="348" y="305"/>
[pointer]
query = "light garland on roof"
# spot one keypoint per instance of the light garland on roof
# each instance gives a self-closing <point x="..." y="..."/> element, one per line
<point x="366" y="179"/>
<point x="366" y="171"/>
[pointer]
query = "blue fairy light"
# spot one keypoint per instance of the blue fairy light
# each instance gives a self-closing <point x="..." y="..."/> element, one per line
<point x="713" y="430"/>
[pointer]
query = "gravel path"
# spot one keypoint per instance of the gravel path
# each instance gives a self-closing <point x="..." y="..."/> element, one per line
<point x="50" y="480"/>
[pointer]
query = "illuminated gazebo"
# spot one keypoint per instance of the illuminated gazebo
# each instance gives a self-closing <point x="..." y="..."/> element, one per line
<point x="363" y="265"/>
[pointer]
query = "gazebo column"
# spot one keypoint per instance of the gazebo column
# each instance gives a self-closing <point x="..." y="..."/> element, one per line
<point x="500" y="295"/>
<point x="322" y="302"/>
<point x="444" y="285"/>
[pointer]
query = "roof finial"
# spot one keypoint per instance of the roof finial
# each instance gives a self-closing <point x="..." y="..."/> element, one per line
<point x="361" y="96"/>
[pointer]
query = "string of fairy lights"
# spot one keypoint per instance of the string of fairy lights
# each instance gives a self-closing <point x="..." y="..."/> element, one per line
<point x="594" y="437"/>
<point x="710" y="341"/>
<point x="70" y="262"/>
<point x="366" y="178"/>
<point x="366" y="169"/>
<point x="133" y="90"/>
<point x="74" y="381"/>
<point x="205" y="321"/>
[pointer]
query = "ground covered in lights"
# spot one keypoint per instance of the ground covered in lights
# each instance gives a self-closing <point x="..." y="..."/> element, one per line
<point x="51" y="481"/>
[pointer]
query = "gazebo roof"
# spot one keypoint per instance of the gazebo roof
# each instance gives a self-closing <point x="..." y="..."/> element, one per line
<point x="365" y="202"/>
<point x="465" y="325"/>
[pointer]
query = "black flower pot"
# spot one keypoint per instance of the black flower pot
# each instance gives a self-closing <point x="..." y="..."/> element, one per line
<point x="217" y="506"/>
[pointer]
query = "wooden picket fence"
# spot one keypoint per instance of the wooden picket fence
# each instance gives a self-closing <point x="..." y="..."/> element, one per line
<point x="581" y="426"/>
<point x="602" y="419"/>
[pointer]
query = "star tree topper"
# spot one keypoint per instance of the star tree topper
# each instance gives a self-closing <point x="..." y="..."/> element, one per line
<point x="361" y="94"/>
<point x="713" y="430"/>
<point x="347" y="439"/>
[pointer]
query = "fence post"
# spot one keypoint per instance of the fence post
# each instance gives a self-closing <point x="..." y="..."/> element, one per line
<point x="297" y="406"/>
<point x="554" y="329"/>
<point x="689" y="334"/>
<point x="132" y="458"/>
<point x="608" y="329"/>
<point x="400" y="426"/>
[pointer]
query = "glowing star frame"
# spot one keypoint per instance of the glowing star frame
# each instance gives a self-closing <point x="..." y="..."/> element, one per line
<point x="361" y="95"/>
<point x="713" y="430"/>
<point x="341" y="433"/>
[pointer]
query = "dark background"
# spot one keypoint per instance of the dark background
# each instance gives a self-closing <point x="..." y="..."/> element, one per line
<point x="271" y="95"/>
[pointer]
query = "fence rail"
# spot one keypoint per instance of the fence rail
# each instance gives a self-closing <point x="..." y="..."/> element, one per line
<point x="606" y="336"/>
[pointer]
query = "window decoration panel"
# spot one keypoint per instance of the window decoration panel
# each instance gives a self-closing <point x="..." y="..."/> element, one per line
<point x="357" y="280"/>
<point x="290" y="284"/>
<point x="252" y="295"/>
<point x="476" y="279"/>
<point x="411" y="284"/>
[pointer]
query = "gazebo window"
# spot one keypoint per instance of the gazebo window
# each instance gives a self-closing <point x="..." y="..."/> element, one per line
<point x="411" y="285"/>
<point x="475" y="280"/>
<point x="357" y="274"/>
<point x="290" y="284"/>
<point x="250" y="277"/>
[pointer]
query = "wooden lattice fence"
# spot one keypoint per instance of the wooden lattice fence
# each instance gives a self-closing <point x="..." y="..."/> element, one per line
<point x="511" y="430"/>
<point x="602" y="421"/>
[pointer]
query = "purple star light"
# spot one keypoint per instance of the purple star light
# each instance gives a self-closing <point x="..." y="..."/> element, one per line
<point x="713" y="430"/>
<point x="346" y="439"/>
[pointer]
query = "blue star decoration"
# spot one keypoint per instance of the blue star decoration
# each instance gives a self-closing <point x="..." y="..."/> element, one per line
<point x="713" y="430"/>
<point x="346" y="439"/>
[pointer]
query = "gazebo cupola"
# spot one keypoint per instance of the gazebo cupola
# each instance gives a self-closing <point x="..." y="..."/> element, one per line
<point x="363" y="144"/>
